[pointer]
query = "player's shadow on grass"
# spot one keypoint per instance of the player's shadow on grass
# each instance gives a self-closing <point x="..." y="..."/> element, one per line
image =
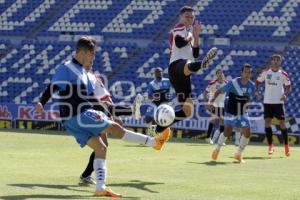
<point x="141" y="185"/>
<point x="43" y="196"/>
<point x="211" y="163"/>
<point x="48" y="186"/>
<point x="135" y="145"/>
<point x="59" y="187"/>
<point x="262" y="157"/>
<point x="49" y="196"/>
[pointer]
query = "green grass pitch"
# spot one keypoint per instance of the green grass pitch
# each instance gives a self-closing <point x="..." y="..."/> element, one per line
<point x="39" y="166"/>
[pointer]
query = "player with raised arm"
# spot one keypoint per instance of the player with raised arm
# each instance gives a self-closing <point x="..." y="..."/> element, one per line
<point x="72" y="81"/>
<point x="185" y="46"/>
<point x="277" y="89"/>
<point x="239" y="91"/>
<point x="217" y="111"/>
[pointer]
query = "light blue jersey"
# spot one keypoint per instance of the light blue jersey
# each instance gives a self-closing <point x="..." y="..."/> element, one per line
<point x="76" y="93"/>
<point x="159" y="92"/>
<point x="237" y="95"/>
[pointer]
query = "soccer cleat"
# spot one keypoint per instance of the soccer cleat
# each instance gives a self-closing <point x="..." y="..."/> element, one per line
<point x="287" y="150"/>
<point x="208" y="57"/>
<point x="162" y="138"/>
<point x="239" y="158"/>
<point x="209" y="141"/>
<point x="87" y="180"/>
<point x="137" y="105"/>
<point x="107" y="192"/>
<point x="271" y="149"/>
<point x="215" y="153"/>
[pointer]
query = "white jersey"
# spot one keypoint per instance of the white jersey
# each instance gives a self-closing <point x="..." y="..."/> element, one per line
<point x="100" y="92"/>
<point x="211" y="89"/>
<point x="274" y="85"/>
<point x="185" y="52"/>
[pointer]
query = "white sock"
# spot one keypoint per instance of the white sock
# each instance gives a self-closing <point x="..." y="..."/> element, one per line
<point x="237" y="137"/>
<point x="138" y="138"/>
<point x="222" y="139"/>
<point x="100" y="172"/>
<point x="243" y="143"/>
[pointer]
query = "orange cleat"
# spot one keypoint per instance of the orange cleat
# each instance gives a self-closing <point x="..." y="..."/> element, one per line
<point x="215" y="153"/>
<point x="107" y="192"/>
<point x="239" y="158"/>
<point x="287" y="150"/>
<point x="162" y="138"/>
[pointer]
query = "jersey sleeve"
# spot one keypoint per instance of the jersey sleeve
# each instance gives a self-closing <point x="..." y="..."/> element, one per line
<point x="61" y="77"/>
<point x="227" y="87"/>
<point x="208" y="88"/>
<point x="149" y="90"/>
<point x="252" y="94"/>
<point x="179" y="31"/>
<point x="286" y="80"/>
<point x="100" y="91"/>
<point x="261" y="77"/>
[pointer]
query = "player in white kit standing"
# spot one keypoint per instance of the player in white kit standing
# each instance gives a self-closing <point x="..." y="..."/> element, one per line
<point x="277" y="88"/>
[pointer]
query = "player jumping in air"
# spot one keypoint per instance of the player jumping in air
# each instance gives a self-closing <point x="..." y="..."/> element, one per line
<point x="185" y="47"/>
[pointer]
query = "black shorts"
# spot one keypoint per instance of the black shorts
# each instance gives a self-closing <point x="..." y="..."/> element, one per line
<point x="218" y="111"/>
<point x="274" y="111"/>
<point x="180" y="82"/>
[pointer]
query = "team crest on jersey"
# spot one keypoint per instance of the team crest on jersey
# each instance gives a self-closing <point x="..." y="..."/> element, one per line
<point x="96" y="116"/>
<point x="277" y="78"/>
<point x="269" y="76"/>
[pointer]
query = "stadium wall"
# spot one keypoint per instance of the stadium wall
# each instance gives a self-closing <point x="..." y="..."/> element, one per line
<point x="20" y="116"/>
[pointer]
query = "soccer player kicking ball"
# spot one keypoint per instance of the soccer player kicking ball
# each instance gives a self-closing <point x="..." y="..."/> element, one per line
<point x="239" y="91"/>
<point x="72" y="81"/>
<point x="277" y="88"/>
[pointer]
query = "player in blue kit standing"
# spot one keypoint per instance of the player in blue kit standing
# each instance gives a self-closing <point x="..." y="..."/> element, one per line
<point x="158" y="93"/>
<point x="239" y="91"/>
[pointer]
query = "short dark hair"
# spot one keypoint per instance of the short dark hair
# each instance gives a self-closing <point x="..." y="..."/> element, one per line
<point x="274" y="55"/>
<point x="246" y="65"/>
<point x="186" y="9"/>
<point x="158" y="69"/>
<point x="219" y="70"/>
<point x="86" y="43"/>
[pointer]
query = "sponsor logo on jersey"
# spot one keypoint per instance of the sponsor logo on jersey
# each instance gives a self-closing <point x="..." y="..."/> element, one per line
<point x="269" y="76"/>
<point x="94" y="115"/>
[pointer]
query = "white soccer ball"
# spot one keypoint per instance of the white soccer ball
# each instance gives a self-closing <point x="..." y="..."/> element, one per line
<point x="164" y="115"/>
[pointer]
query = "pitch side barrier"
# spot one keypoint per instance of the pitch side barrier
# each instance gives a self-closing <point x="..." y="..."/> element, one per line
<point x="19" y="116"/>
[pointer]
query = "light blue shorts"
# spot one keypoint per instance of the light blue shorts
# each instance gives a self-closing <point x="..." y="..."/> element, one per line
<point x="87" y="124"/>
<point x="240" y="121"/>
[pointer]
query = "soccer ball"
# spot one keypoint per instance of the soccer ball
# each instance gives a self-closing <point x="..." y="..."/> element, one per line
<point x="164" y="115"/>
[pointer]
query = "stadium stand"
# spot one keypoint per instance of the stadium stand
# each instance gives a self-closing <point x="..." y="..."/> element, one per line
<point x="251" y="29"/>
